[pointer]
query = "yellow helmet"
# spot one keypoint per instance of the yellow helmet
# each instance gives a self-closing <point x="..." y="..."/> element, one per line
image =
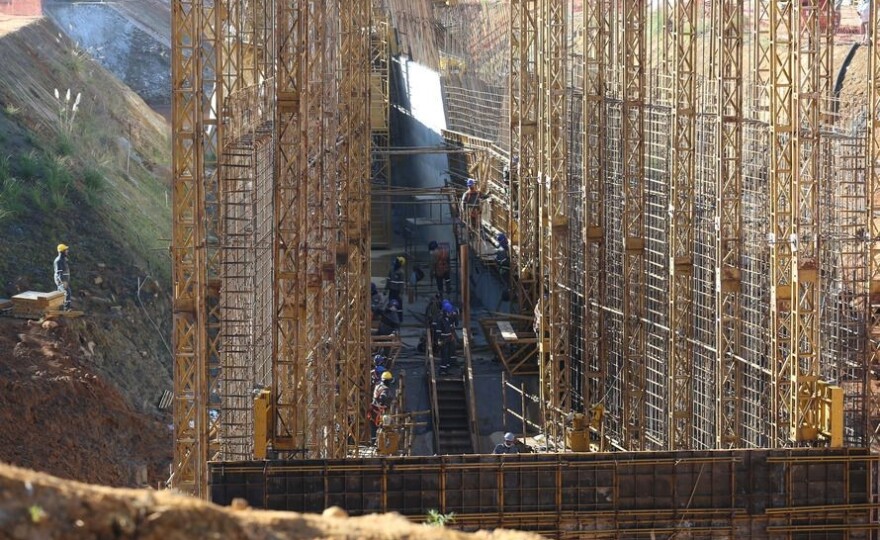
<point x="62" y="247"/>
<point x="387" y="376"/>
<point x="402" y="261"/>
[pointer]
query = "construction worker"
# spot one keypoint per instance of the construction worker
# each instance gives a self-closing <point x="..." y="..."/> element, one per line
<point x="376" y="300"/>
<point x="439" y="266"/>
<point x="502" y="256"/>
<point x="62" y="275"/>
<point x="394" y="283"/>
<point x="378" y="369"/>
<point x="470" y="208"/>
<point x="508" y="446"/>
<point x="389" y="320"/>
<point x="447" y="337"/>
<point x="383" y="396"/>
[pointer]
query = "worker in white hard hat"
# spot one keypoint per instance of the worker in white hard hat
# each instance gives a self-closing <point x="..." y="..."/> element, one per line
<point x="62" y="275"/>
<point x="508" y="446"/>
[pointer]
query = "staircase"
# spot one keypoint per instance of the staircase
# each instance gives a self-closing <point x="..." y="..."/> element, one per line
<point x="454" y="435"/>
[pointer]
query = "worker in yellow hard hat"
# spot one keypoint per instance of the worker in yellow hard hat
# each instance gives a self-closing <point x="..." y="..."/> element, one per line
<point x="62" y="275"/>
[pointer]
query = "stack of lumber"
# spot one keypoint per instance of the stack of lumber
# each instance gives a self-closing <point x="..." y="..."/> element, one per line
<point x="34" y="304"/>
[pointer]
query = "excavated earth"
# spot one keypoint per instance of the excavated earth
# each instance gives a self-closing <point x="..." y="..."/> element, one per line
<point x="35" y="506"/>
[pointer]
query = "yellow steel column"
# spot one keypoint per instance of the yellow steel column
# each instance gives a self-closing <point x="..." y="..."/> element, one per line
<point x="728" y="203"/>
<point x="680" y="404"/>
<point x="380" y="61"/>
<point x="319" y="223"/>
<point x="872" y="358"/>
<point x="524" y="93"/>
<point x="595" y="131"/>
<point x="288" y="329"/>
<point x="761" y="48"/>
<point x="188" y="467"/>
<point x="354" y="198"/>
<point x="807" y="152"/>
<point x="783" y="259"/>
<point x="554" y="246"/>
<point x="634" y="62"/>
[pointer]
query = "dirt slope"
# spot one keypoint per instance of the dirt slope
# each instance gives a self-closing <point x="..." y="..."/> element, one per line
<point x="38" y="506"/>
<point x="80" y="400"/>
<point x="60" y="416"/>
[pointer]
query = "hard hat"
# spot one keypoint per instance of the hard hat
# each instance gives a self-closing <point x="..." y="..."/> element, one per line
<point x="432" y="245"/>
<point x="447" y="307"/>
<point x="378" y="359"/>
<point x="401" y="261"/>
<point x="62" y="247"/>
<point x="501" y="238"/>
<point x="380" y="370"/>
<point x="387" y="376"/>
<point x="471" y="182"/>
<point x="509" y="437"/>
<point x="394" y="304"/>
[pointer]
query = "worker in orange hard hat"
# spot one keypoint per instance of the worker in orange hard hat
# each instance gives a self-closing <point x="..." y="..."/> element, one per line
<point x="62" y="275"/>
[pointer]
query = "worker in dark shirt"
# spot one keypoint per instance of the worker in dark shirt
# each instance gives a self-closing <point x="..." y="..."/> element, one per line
<point x="508" y="446"/>
<point x="502" y="256"/>
<point x="395" y="282"/>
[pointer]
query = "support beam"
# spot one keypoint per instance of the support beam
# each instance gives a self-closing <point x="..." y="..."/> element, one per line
<point x="783" y="233"/>
<point x="189" y="337"/>
<point x="730" y="225"/>
<point x="872" y="315"/>
<point x="596" y="46"/>
<point x="555" y="257"/>
<point x="680" y="370"/>
<point x="353" y="251"/>
<point x="524" y="152"/>
<point x="634" y="61"/>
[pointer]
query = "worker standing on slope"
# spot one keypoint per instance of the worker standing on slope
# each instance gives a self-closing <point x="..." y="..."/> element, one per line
<point x="62" y="275"/>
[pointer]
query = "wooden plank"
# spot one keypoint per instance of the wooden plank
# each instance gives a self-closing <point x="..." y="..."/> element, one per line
<point x="507" y="331"/>
<point x="37" y="298"/>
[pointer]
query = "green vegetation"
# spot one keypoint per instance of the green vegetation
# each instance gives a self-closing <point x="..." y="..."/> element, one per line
<point x="82" y="160"/>
<point x="436" y="519"/>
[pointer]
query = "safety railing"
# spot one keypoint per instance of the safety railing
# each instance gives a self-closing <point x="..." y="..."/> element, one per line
<point x="471" y="395"/>
<point x="432" y="384"/>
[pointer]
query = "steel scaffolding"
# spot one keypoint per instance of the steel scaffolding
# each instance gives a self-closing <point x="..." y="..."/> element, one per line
<point x="693" y="214"/>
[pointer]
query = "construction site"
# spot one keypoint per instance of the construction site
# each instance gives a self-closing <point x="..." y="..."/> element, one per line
<point x="685" y="329"/>
<point x="602" y="269"/>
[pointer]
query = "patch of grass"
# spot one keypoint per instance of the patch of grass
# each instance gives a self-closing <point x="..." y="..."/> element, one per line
<point x="58" y="181"/>
<point x="92" y="185"/>
<point x="12" y="198"/>
<point x="30" y="165"/>
<point x="64" y="145"/>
